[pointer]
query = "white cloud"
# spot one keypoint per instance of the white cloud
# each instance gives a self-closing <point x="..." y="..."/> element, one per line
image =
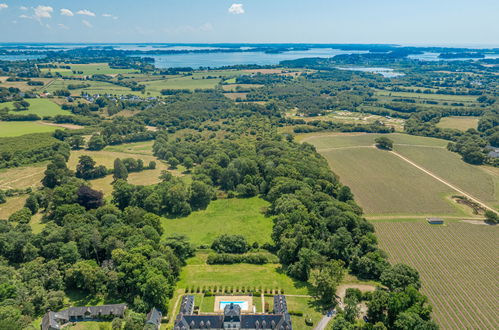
<point x="24" y="16"/>
<point x="43" y="12"/>
<point x="236" y="9"/>
<point x="62" y="26"/>
<point x="66" y="12"/>
<point x="23" y="8"/>
<point x="85" y="12"/>
<point x="109" y="16"/>
<point x="3" y="6"/>
<point x="87" y="23"/>
<point x="206" y="27"/>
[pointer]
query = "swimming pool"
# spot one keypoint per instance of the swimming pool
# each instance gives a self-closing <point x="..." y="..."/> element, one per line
<point x="242" y="304"/>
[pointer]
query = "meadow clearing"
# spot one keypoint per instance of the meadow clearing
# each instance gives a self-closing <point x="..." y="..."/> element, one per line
<point x="224" y="216"/>
<point x="18" y="128"/>
<point x="463" y="297"/>
<point x="86" y="69"/>
<point x="40" y="107"/>
<point x="385" y="184"/>
<point x="462" y="123"/>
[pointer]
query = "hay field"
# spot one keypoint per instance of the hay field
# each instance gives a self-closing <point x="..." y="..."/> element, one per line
<point x="460" y="123"/>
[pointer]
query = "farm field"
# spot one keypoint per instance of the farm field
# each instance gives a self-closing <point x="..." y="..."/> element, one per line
<point x="224" y="216"/>
<point x="434" y="97"/>
<point x="96" y="87"/>
<point x="22" y="177"/>
<point x="18" y="128"/>
<point x="23" y="85"/>
<point x="12" y="205"/>
<point x="388" y="185"/>
<point x="188" y="82"/>
<point x="86" y="69"/>
<point x="480" y="181"/>
<point x="460" y="123"/>
<point x="458" y="267"/>
<point x="40" y="107"/>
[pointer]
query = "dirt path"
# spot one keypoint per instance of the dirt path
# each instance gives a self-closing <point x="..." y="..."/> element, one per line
<point x="444" y="182"/>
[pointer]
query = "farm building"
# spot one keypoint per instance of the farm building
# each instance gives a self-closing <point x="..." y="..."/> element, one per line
<point x="435" y="221"/>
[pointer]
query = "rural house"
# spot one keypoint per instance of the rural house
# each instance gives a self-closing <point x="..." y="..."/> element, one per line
<point x="57" y="320"/>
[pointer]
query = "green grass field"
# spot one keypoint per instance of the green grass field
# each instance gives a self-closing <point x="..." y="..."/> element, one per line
<point x="460" y="123"/>
<point x="435" y="97"/>
<point x="458" y="267"/>
<point x="96" y="87"/>
<point x="384" y="184"/>
<point x="224" y="216"/>
<point x="18" y="128"/>
<point x="270" y="276"/>
<point x="40" y="107"/>
<point x="189" y="82"/>
<point x="87" y="69"/>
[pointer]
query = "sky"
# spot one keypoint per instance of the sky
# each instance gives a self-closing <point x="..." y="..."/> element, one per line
<point x="414" y="22"/>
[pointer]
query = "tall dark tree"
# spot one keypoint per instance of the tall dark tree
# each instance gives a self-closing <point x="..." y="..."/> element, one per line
<point x="56" y="173"/>
<point x="90" y="198"/>
<point x="120" y="172"/>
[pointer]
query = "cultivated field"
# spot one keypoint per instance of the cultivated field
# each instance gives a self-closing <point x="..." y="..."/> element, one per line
<point x="18" y="128"/>
<point x="458" y="267"/>
<point x="460" y="123"/>
<point x="385" y="184"/>
<point x="224" y="216"/>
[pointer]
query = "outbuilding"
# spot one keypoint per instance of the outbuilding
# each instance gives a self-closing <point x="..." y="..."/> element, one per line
<point x="435" y="221"/>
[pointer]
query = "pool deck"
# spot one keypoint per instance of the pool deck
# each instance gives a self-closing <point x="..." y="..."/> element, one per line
<point x="247" y="299"/>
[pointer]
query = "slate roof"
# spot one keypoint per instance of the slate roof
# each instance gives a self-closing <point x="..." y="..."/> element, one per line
<point x="55" y="320"/>
<point x="187" y="305"/>
<point x="154" y="317"/>
<point x="279" y="320"/>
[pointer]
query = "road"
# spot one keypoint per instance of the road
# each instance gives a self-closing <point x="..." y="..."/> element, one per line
<point x="323" y="322"/>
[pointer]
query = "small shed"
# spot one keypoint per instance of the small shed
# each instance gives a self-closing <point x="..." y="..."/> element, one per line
<point x="435" y="221"/>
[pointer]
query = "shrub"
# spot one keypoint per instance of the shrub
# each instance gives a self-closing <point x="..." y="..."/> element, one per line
<point x="230" y="244"/>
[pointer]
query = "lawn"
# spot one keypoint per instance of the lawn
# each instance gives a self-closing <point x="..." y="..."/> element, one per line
<point x="460" y="123"/>
<point x="40" y="107"/>
<point x="90" y="325"/>
<point x="458" y="267"/>
<point x="18" y="128"/>
<point x="224" y="216"/>
<point x="198" y="274"/>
